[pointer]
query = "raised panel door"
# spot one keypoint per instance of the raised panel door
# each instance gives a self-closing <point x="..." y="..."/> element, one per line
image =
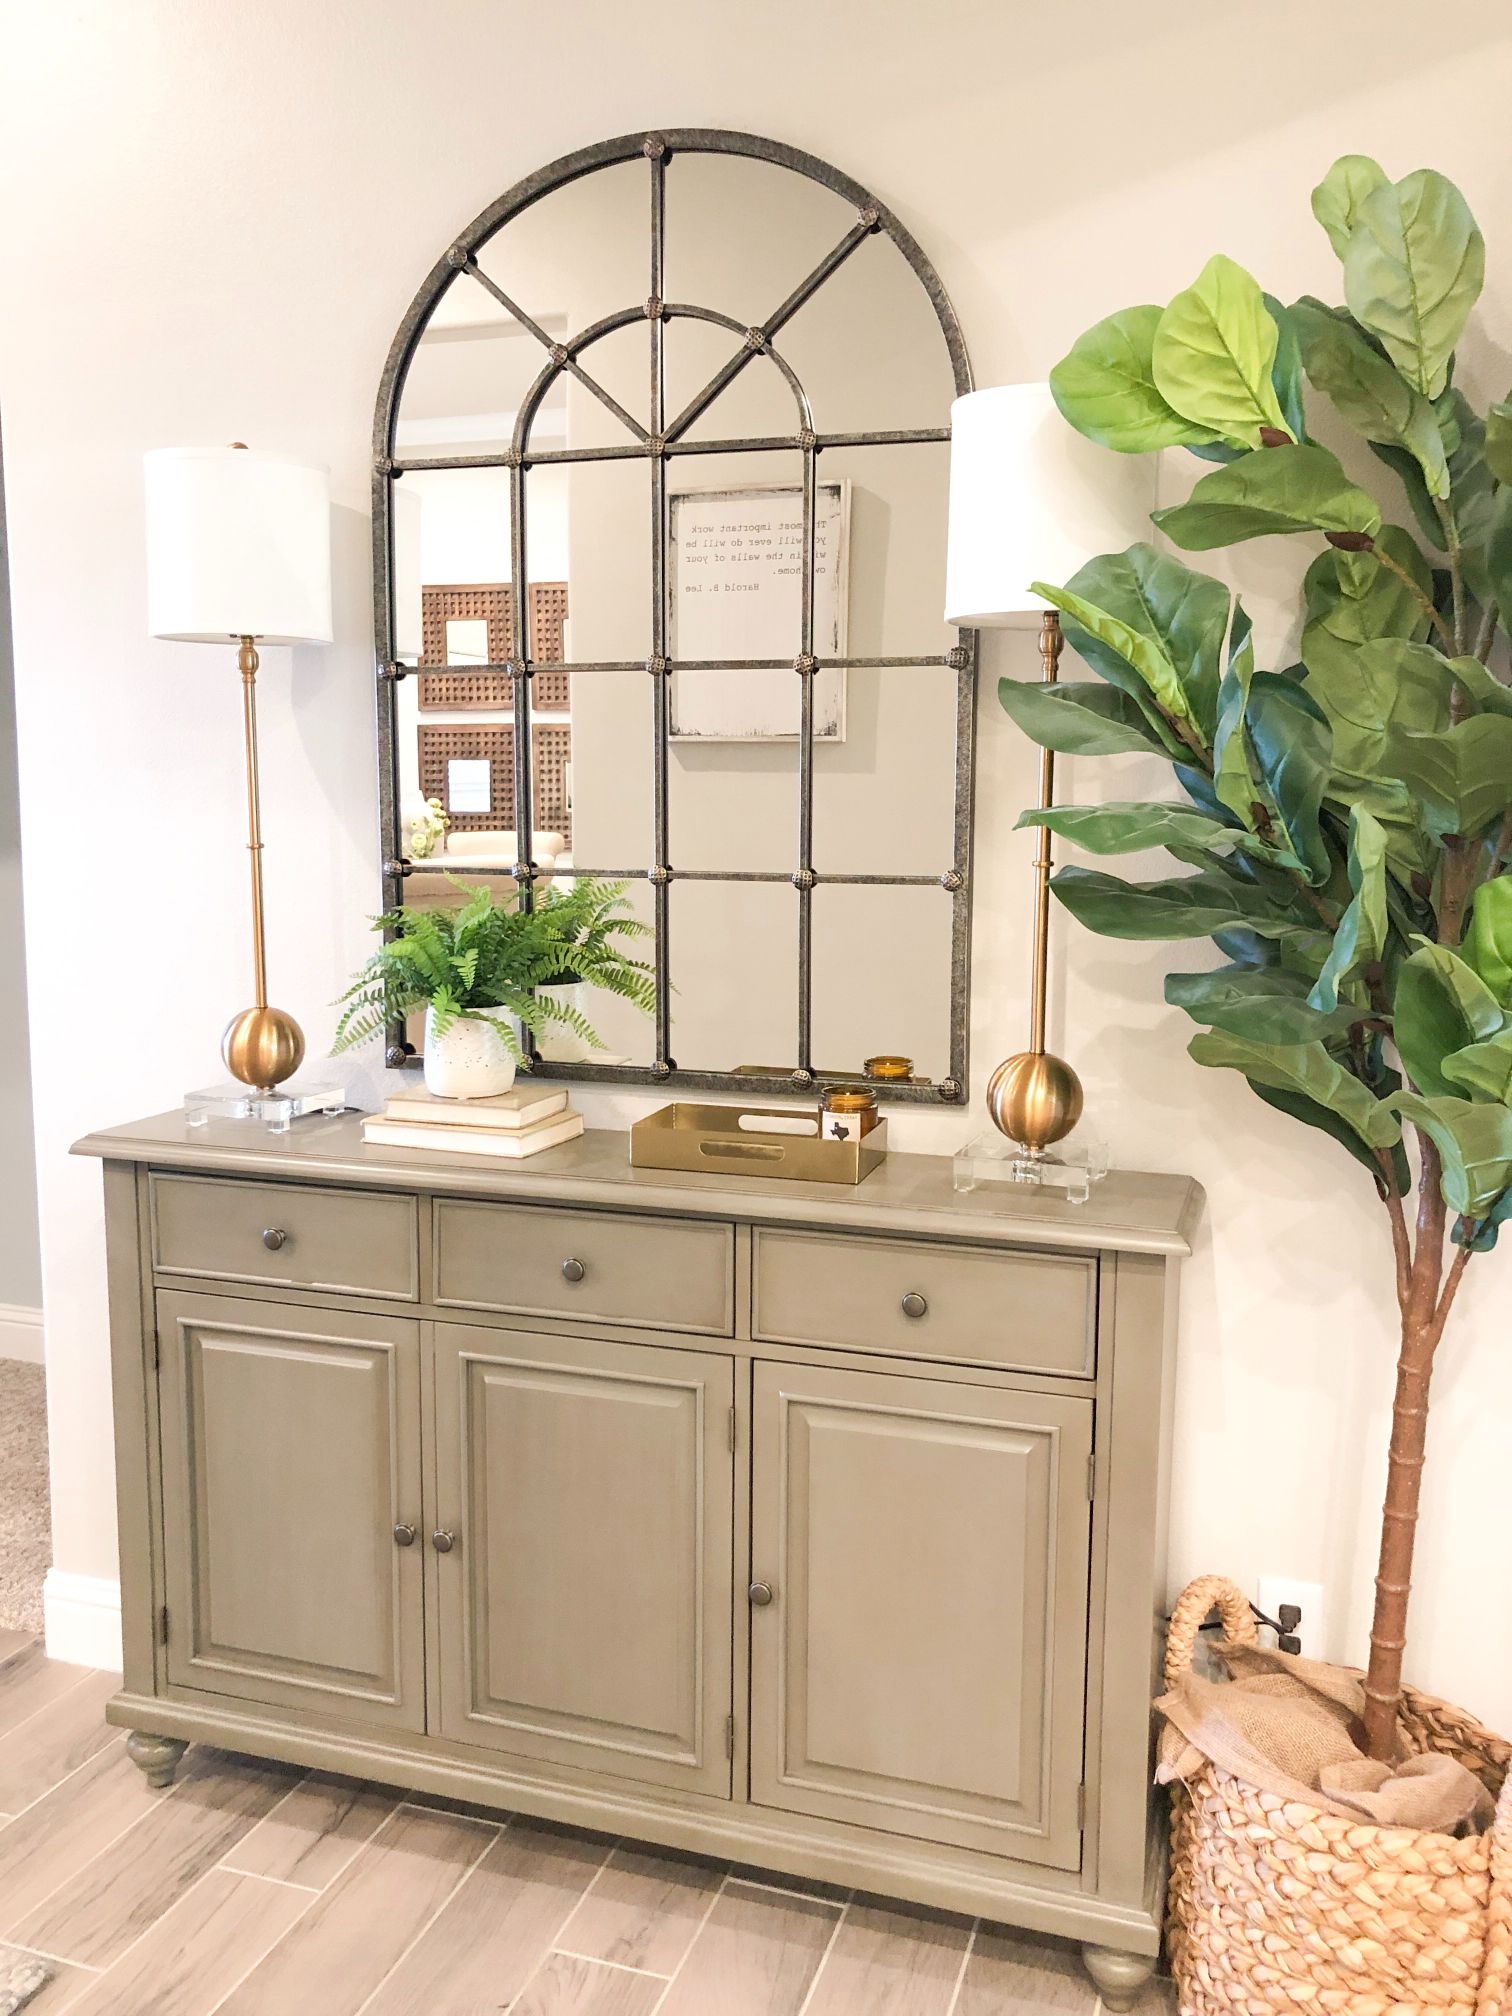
<point x="920" y="1664"/>
<point x="585" y="1595"/>
<point x="291" y="1469"/>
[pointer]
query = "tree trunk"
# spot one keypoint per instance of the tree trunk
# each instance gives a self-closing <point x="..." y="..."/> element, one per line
<point x="1422" y="1324"/>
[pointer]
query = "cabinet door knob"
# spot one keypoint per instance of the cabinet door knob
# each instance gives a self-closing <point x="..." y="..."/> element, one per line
<point x="760" y="1594"/>
<point x="913" y="1304"/>
<point x="274" y="1237"/>
<point x="442" y="1541"/>
<point x="404" y="1535"/>
<point x="573" y="1270"/>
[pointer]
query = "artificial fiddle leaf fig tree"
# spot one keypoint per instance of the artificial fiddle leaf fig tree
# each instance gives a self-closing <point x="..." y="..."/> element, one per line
<point x="1346" y="820"/>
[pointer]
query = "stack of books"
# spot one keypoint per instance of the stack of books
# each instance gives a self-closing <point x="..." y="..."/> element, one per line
<point x="517" y="1123"/>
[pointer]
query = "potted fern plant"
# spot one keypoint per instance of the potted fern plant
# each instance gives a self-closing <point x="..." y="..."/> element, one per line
<point x="486" y="973"/>
<point x="1347" y="821"/>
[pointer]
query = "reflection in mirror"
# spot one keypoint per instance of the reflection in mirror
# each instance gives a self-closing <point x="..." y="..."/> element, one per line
<point x="739" y="681"/>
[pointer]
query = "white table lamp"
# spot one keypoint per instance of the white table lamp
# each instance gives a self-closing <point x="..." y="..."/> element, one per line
<point x="239" y="552"/>
<point x="1032" y="500"/>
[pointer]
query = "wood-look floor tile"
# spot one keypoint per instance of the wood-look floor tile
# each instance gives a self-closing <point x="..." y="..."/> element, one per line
<point x="61" y="1992"/>
<point x="14" y="1641"/>
<point x="775" y="1879"/>
<point x="312" y="1834"/>
<point x="53" y="1840"/>
<point x="29" y="1680"/>
<point x="644" y="1909"/>
<point x="891" y="1960"/>
<point x="40" y="1752"/>
<point x="1020" y="1974"/>
<point x="566" y="1985"/>
<point x="197" y="1952"/>
<point x="117" y="1895"/>
<point x="1159" y="1999"/>
<point x="756" y="1955"/>
<point x="500" y="1924"/>
<point x="352" y="1934"/>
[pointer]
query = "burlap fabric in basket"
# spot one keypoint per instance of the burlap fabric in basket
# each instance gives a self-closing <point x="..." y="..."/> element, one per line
<point x="1278" y="1905"/>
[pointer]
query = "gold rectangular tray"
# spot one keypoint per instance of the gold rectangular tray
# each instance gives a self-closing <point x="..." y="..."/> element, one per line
<point x="687" y="1135"/>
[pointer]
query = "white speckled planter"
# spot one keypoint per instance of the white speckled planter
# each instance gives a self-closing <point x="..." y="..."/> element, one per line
<point x="471" y="1061"/>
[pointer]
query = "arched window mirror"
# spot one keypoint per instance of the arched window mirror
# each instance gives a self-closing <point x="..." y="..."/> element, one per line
<point x="659" y="508"/>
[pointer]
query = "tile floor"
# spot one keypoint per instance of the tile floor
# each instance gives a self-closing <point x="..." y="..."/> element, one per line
<point x="254" y="1889"/>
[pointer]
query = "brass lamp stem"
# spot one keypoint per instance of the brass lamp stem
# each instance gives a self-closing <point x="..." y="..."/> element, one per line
<point x="262" y="1046"/>
<point x="1036" y="1099"/>
<point x="246" y="659"/>
<point x="1050" y="642"/>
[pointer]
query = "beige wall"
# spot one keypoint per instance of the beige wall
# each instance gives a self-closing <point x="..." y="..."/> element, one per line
<point x="20" y="1257"/>
<point x="225" y="213"/>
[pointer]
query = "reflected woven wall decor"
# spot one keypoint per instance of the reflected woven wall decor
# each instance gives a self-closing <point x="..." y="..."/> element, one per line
<point x="475" y="688"/>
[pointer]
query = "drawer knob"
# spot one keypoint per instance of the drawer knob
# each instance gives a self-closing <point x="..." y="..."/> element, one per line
<point x="760" y="1594"/>
<point x="404" y="1535"/>
<point x="914" y="1304"/>
<point x="442" y="1541"/>
<point x="274" y="1237"/>
<point x="573" y="1270"/>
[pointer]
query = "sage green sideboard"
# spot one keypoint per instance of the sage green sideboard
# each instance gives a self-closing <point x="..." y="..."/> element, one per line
<point x="819" y="1528"/>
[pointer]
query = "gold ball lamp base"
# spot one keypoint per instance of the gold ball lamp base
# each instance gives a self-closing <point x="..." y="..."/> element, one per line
<point x="262" y="1047"/>
<point x="1035" y="1099"/>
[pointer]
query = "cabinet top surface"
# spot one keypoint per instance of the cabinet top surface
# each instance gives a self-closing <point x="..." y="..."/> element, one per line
<point x="1127" y="1212"/>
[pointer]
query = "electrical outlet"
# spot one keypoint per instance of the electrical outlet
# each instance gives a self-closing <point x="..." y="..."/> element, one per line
<point x="1275" y="1591"/>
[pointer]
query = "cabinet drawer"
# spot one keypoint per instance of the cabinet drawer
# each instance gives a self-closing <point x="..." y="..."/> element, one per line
<point x="598" y="1266"/>
<point x="973" y="1305"/>
<point x="355" y="1242"/>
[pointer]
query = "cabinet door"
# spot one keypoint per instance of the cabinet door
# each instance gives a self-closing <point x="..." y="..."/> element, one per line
<point x="291" y="1469"/>
<point x="920" y="1666"/>
<point x="586" y="1597"/>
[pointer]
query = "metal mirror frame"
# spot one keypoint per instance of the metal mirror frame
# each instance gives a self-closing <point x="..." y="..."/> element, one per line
<point x="665" y="439"/>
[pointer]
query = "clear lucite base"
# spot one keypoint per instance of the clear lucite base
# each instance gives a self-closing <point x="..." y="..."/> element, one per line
<point x="274" y="1110"/>
<point x="1071" y="1166"/>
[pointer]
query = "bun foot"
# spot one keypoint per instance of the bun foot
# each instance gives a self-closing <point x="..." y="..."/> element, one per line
<point x="156" y="1757"/>
<point x="1120" y="1978"/>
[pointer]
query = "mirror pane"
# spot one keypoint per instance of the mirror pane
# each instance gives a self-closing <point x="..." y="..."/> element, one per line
<point x="881" y="977"/>
<point x="884" y="799"/>
<point x="734" y="967"/>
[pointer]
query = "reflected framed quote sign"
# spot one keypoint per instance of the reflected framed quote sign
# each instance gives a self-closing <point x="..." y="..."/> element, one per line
<point x="735" y="577"/>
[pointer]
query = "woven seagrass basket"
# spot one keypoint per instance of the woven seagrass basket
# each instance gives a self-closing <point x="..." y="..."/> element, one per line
<point x="1278" y="1906"/>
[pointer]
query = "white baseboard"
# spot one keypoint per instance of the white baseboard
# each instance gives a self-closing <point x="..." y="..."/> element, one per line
<point x="81" y="1615"/>
<point x="20" y="1333"/>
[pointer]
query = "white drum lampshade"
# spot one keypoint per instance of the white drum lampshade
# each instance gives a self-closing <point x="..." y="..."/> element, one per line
<point x="1031" y="500"/>
<point x="238" y="545"/>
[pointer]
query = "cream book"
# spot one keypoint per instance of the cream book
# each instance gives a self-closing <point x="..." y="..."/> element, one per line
<point x="514" y="1143"/>
<point x="521" y="1106"/>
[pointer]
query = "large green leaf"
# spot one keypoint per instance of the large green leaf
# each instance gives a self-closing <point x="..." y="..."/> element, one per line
<point x="1481" y="686"/>
<point x="1474" y="1140"/>
<point x="1129" y="827"/>
<point x="1360" y="938"/>
<point x="1234" y="782"/>
<point x="1080" y="718"/>
<point x="1310" y="1114"/>
<point x="1307" y="1071"/>
<point x="1267" y="1004"/>
<point x="1291" y="740"/>
<point x="1213" y="352"/>
<point x="1190" y="906"/>
<point x="1369" y="391"/>
<point x="1499" y="440"/>
<point x="1105" y="387"/>
<point x="1487" y="944"/>
<point x="1413" y="270"/>
<point x="1299" y="488"/>
<point x="1439" y="1006"/>
<point x="1376" y="695"/>
<point x="1337" y="198"/>
<point x="1483" y="1070"/>
<point x="1354" y="598"/>
<point x="1463" y="775"/>
<point x="1144" y="654"/>
<point x="1287" y="375"/>
<point x="1182" y="613"/>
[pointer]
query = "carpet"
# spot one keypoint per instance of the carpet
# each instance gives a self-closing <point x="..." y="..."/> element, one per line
<point x="25" y="1525"/>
